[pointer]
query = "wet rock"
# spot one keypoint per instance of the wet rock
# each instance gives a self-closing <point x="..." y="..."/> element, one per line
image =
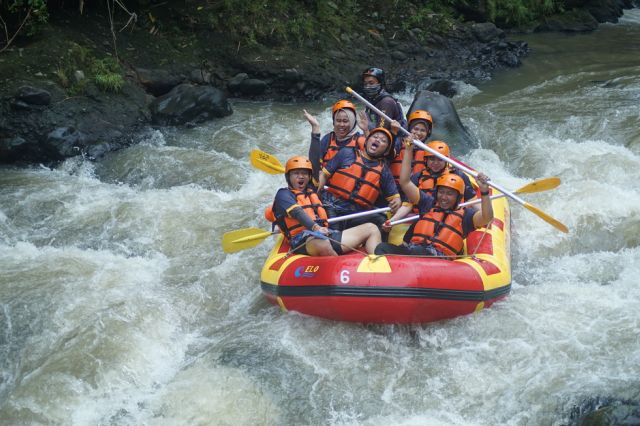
<point x="509" y="59"/>
<point x="234" y="83"/>
<point x="158" y="81"/>
<point x="33" y="96"/>
<point x="291" y="74"/>
<point x="444" y="87"/>
<point x="576" y="20"/>
<point x="252" y="87"/>
<point x="78" y="76"/>
<point x="486" y="32"/>
<point x="200" y="76"/>
<point x="398" y="56"/>
<point x="602" y="10"/>
<point x="603" y="411"/>
<point x="64" y="142"/>
<point x="446" y="122"/>
<point x="187" y="103"/>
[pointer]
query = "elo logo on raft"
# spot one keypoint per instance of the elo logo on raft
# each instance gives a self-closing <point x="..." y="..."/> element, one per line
<point x="306" y="271"/>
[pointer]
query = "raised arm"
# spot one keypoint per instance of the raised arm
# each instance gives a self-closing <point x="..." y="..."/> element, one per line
<point x="485" y="215"/>
<point x="409" y="188"/>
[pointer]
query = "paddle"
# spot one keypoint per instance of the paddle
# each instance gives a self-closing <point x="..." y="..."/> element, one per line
<point x="539" y="185"/>
<point x="245" y="238"/>
<point x="544" y="216"/>
<point x="266" y="162"/>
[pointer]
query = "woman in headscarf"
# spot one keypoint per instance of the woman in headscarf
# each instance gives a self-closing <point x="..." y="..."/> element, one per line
<point x="346" y="133"/>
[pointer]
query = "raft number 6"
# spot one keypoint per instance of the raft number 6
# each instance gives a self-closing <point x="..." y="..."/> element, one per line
<point x="344" y="276"/>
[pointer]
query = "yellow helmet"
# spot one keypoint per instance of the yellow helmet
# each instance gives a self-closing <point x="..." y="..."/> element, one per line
<point x="422" y="115"/>
<point x="342" y="104"/>
<point x="298" y="162"/>
<point x="451" y="180"/>
<point x="439" y="146"/>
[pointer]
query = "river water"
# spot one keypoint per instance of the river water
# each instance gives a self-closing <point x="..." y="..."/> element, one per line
<point x="118" y="307"/>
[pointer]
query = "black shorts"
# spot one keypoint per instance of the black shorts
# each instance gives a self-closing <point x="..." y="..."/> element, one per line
<point x="299" y="245"/>
<point x="407" y="249"/>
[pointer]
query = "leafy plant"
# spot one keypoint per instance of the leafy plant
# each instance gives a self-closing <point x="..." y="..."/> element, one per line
<point x="107" y="74"/>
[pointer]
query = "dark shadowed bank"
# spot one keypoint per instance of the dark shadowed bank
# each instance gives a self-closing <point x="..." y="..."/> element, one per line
<point x="86" y="84"/>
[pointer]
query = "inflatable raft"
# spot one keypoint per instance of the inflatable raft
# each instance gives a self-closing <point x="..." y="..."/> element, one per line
<point x="394" y="289"/>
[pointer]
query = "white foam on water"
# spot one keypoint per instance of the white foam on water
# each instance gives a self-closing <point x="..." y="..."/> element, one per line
<point x="94" y="331"/>
<point x="209" y="394"/>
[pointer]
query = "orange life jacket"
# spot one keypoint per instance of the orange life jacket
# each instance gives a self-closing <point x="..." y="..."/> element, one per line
<point x="358" y="182"/>
<point x="442" y="228"/>
<point x="312" y="206"/>
<point x="357" y="142"/>
<point x="417" y="164"/>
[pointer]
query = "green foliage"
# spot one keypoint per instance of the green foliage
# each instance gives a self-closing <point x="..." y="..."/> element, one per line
<point x="34" y="13"/>
<point x="509" y="13"/>
<point x="280" y="22"/>
<point x="432" y="17"/>
<point x="106" y="72"/>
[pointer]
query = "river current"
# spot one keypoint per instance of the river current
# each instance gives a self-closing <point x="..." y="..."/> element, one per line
<point x="118" y="306"/>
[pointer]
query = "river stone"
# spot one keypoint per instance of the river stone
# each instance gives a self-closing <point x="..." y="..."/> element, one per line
<point x="158" y="81"/>
<point x="446" y="122"/>
<point x="234" y="83"/>
<point x="187" y="103"/>
<point x="33" y="95"/>
<point x="252" y="86"/>
<point x="444" y="87"/>
<point x="486" y="31"/>
<point x="64" y="142"/>
<point x="398" y="56"/>
<point x="572" y="21"/>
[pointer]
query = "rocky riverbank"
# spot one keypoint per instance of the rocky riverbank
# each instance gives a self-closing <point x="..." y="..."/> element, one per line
<point x="177" y="72"/>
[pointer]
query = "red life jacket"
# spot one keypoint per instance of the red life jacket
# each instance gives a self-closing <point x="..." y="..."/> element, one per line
<point x="358" y="182"/>
<point x="442" y="228"/>
<point x="312" y="206"/>
<point x="417" y="164"/>
<point x="356" y="142"/>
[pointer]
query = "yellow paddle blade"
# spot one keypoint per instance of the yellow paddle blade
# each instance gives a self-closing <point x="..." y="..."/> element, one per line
<point x="554" y="222"/>
<point x="242" y="239"/>
<point x="266" y="162"/>
<point x="539" y="185"/>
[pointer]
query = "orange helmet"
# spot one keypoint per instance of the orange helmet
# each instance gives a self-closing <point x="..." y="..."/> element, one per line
<point x="387" y="134"/>
<point x="439" y="146"/>
<point x="298" y="162"/>
<point x="342" y="104"/>
<point x="422" y="115"/>
<point x="451" y="180"/>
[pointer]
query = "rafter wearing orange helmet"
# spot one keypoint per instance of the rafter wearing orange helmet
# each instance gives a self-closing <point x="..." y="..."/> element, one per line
<point x="420" y="126"/>
<point x="297" y="209"/>
<point x="442" y="226"/>
<point x="360" y="179"/>
<point x="345" y="133"/>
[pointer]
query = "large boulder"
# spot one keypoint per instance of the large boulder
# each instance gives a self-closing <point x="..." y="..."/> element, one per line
<point x="446" y="122"/>
<point x="41" y="123"/>
<point x="187" y="103"/>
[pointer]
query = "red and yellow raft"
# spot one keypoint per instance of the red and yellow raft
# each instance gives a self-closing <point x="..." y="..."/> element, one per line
<point x="394" y="289"/>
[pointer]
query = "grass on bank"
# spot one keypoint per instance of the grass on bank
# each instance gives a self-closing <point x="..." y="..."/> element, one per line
<point x="285" y="22"/>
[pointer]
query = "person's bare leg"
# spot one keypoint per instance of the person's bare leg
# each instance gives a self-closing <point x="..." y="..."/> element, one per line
<point x="366" y="234"/>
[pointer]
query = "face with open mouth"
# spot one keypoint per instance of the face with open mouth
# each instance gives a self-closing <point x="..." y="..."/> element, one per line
<point x="377" y="144"/>
<point x="299" y="179"/>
